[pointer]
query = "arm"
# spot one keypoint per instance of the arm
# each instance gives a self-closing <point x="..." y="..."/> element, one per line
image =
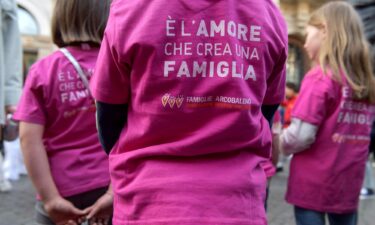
<point x="268" y="111"/>
<point x="276" y="131"/>
<point x="102" y="210"/>
<point x="13" y="59"/>
<point x="36" y="161"/>
<point x="111" y="119"/>
<point x="298" y="136"/>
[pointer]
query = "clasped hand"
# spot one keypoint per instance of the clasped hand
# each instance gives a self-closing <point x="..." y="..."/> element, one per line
<point x="63" y="212"/>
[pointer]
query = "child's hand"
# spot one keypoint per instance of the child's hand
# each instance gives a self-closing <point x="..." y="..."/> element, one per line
<point x="62" y="211"/>
<point x="101" y="212"/>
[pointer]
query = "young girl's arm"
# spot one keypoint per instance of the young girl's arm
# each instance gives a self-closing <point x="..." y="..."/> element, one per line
<point x="102" y="210"/>
<point x="110" y="119"/>
<point x="36" y="161"/>
<point x="299" y="136"/>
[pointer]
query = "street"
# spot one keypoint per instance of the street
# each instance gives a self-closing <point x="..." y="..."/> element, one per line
<point x="17" y="206"/>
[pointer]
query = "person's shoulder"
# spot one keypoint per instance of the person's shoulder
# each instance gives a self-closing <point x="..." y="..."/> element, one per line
<point x="316" y="74"/>
<point x="274" y="24"/>
<point x="321" y="80"/>
<point x="55" y="56"/>
<point x="46" y="63"/>
<point x="276" y="15"/>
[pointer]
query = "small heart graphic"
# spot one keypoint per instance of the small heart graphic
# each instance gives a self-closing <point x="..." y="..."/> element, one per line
<point x="171" y="101"/>
<point x="164" y="99"/>
<point x="179" y="101"/>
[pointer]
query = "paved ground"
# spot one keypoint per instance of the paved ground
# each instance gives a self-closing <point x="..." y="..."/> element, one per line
<point x="16" y="207"/>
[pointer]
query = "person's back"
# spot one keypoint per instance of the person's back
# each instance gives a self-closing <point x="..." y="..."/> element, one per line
<point x="194" y="75"/>
<point x="331" y="120"/>
<point x="65" y="161"/>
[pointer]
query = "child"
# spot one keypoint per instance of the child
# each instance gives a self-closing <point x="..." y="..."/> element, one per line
<point x="59" y="141"/>
<point x="291" y="94"/>
<point x="190" y="79"/>
<point x="331" y="121"/>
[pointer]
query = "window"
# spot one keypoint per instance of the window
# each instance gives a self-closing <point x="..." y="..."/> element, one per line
<point x="26" y="22"/>
<point x="295" y="64"/>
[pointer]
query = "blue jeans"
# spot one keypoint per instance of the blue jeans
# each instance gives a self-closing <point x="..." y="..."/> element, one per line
<point x="311" y="217"/>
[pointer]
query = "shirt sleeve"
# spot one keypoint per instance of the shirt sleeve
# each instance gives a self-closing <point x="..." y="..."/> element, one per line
<point x="276" y="81"/>
<point x="13" y="49"/>
<point x="313" y="100"/>
<point x="111" y="80"/>
<point x="297" y="137"/>
<point x="31" y="107"/>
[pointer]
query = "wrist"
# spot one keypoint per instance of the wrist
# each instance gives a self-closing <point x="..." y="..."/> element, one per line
<point x="50" y="198"/>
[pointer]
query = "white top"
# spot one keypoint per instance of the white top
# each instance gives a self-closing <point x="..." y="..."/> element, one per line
<point x="299" y="136"/>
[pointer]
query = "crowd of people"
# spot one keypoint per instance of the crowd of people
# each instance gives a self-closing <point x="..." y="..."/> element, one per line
<point x="178" y="112"/>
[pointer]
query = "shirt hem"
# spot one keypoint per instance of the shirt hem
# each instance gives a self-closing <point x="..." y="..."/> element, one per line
<point x="101" y="97"/>
<point x="82" y="189"/>
<point x="305" y="118"/>
<point x="188" y="222"/>
<point x="26" y="118"/>
<point x="320" y="208"/>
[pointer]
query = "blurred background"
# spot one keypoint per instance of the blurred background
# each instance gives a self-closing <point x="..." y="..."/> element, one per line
<point x="35" y="17"/>
<point x="16" y="206"/>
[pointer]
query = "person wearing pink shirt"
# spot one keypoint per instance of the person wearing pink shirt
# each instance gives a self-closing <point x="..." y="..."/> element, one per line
<point x="62" y="153"/>
<point x="331" y="120"/>
<point x="188" y="79"/>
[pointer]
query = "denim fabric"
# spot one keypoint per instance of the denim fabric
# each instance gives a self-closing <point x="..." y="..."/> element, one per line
<point x="10" y="57"/>
<point x="81" y="201"/>
<point x="311" y="217"/>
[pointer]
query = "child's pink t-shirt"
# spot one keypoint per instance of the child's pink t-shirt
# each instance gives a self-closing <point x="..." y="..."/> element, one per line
<point x="55" y="97"/>
<point x="328" y="176"/>
<point x="194" y="75"/>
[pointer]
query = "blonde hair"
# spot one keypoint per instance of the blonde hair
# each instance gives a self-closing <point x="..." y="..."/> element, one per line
<point x="77" y="21"/>
<point x="345" y="49"/>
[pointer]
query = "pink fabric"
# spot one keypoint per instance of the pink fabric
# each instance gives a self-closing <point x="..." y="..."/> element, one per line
<point x="277" y="118"/>
<point x="194" y="139"/>
<point x="328" y="176"/>
<point x="55" y="97"/>
<point x="268" y="168"/>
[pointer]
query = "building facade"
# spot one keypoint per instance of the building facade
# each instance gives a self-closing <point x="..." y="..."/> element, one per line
<point x="34" y="21"/>
<point x="35" y="17"/>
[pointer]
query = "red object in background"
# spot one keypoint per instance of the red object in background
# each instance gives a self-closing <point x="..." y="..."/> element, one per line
<point x="288" y="105"/>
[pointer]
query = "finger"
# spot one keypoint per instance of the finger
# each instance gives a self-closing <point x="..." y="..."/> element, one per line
<point x="93" y="212"/>
<point x="104" y="221"/>
<point x="98" y="221"/>
<point x="93" y="221"/>
<point x="71" y="222"/>
<point x="88" y="209"/>
<point x="76" y="211"/>
<point x="80" y="220"/>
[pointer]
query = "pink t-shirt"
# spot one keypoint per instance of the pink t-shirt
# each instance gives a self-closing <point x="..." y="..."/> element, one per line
<point x="55" y="97"/>
<point x="328" y="176"/>
<point x="194" y="74"/>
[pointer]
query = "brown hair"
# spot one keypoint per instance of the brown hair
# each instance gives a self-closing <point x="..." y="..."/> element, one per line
<point x="345" y="49"/>
<point x="77" y="21"/>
